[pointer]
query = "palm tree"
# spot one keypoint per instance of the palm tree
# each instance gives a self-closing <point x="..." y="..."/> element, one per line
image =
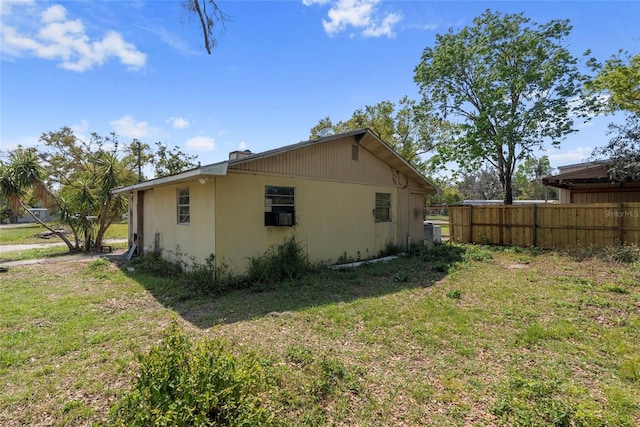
<point x="24" y="172"/>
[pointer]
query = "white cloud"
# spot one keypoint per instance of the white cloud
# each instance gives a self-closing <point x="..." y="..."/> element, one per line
<point x="312" y="2"/>
<point x="242" y="145"/>
<point x="6" y="5"/>
<point x="178" y="122"/>
<point x="385" y="28"/>
<point x="577" y="155"/>
<point x="203" y="143"/>
<point x="64" y="40"/>
<point x="131" y="128"/>
<point x="360" y="14"/>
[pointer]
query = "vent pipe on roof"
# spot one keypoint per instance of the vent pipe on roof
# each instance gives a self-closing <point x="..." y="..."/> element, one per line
<point x="235" y="155"/>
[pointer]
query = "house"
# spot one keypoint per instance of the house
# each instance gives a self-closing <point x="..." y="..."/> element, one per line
<point x="343" y="195"/>
<point x="587" y="183"/>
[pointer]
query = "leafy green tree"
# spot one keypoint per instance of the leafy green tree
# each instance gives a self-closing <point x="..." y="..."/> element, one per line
<point x="529" y="176"/>
<point x="84" y="172"/>
<point x="507" y="83"/>
<point x="169" y="162"/>
<point x="482" y="184"/>
<point x="399" y="125"/>
<point x="622" y="153"/>
<point x="21" y="173"/>
<point x="619" y="79"/>
<point x="449" y="193"/>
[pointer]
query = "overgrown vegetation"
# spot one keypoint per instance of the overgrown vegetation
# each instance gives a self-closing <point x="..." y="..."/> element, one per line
<point x="282" y="263"/>
<point x="278" y="266"/>
<point x="622" y="253"/>
<point x="452" y="335"/>
<point x="201" y="383"/>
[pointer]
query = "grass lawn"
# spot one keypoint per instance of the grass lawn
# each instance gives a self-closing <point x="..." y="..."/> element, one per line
<point x="471" y="336"/>
<point x="28" y="234"/>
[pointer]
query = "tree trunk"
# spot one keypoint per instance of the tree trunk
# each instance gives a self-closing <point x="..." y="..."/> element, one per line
<point x="57" y="233"/>
<point x="104" y="223"/>
<point x="508" y="191"/>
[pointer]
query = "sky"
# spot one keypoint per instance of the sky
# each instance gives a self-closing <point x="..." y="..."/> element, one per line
<point x="139" y="68"/>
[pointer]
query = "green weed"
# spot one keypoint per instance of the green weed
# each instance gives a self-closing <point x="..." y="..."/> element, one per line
<point x="182" y="383"/>
<point x="454" y="294"/>
<point x="283" y="263"/>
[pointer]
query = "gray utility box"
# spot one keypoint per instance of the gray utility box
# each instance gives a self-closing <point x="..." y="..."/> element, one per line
<point x="432" y="233"/>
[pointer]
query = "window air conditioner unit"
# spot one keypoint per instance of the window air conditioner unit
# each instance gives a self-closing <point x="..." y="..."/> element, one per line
<point x="285" y="219"/>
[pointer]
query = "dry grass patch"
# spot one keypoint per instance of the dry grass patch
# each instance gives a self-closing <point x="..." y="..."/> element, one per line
<point x="455" y="337"/>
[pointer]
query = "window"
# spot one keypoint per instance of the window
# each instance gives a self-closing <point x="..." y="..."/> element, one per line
<point x="184" y="216"/>
<point x="383" y="207"/>
<point x="279" y="206"/>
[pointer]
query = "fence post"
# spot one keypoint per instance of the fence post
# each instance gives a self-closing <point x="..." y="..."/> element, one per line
<point x="534" y="225"/>
<point x="470" y="240"/>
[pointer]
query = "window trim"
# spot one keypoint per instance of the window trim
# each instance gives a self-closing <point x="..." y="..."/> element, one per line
<point x="180" y="205"/>
<point x="382" y="205"/>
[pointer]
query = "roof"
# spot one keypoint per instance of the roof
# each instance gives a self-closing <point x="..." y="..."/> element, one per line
<point x="364" y="137"/>
<point x="593" y="174"/>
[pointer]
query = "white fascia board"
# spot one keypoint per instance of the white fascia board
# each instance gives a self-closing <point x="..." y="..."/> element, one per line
<point x="215" y="169"/>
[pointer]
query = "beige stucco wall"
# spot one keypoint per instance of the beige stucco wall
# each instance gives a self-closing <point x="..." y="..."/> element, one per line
<point x="335" y="181"/>
<point x="160" y="219"/>
<point x="332" y="219"/>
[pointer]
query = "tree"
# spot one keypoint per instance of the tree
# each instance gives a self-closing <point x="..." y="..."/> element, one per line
<point x="528" y="179"/>
<point x="507" y="83"/>
<point x="448" y="194"/>
<point x="397" y="125"/>
<point x="619" y="81"/>
<point x="622" y="153"/>
<point x="84" y="172"/>
<point x="208" y="14"/>
<point x="24" y="172"/>
<point x="169" y="162"/>
<point x="482" y="184"/>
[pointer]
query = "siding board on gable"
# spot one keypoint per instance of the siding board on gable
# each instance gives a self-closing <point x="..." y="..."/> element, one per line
<point x="327" y="161"/>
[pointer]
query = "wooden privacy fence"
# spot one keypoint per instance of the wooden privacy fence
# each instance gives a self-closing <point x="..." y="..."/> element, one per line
<point x="548" y="226"/>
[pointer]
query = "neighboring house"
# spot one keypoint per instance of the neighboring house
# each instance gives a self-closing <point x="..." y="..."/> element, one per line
<point x="41" y="213"/>
<point x="586" y="183"/>
<point x="344" y="195"/>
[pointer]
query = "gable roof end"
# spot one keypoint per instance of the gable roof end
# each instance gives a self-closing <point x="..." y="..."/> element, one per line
<point x="368" y="140"/>
<point x="364" y="137"/>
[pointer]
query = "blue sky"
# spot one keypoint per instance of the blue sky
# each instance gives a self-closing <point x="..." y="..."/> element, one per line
<point x="139" y="68"/>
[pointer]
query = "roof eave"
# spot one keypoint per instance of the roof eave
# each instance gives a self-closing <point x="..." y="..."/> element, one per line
<point x="215" y="169"/>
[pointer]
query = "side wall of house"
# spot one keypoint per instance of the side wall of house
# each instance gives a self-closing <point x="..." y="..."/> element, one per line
<point x="613" y="195"/>
<point x="333" y="219"/>
<point x="161" y="230"/>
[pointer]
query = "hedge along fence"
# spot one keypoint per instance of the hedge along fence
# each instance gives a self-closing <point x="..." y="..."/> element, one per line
<point x="547" y="226"/>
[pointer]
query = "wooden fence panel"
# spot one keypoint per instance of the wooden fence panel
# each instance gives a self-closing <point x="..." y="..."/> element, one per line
<point x="548" y="226"/>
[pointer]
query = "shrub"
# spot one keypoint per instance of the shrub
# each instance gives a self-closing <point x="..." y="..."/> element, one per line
<point x="283" y="263"/>
<point x="182" y="383"/>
